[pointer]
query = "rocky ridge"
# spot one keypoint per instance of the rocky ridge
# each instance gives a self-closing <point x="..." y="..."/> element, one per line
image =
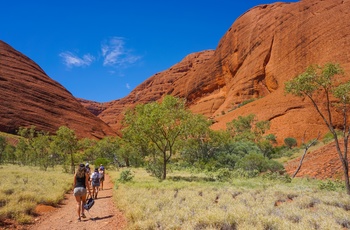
<point x="30" y="98"/>
<point x="265" y="47"/>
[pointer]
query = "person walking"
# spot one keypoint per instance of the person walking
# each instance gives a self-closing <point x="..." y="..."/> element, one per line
<point x="102" y="172"/>
<point x="95" y="181"/>
<point x="88" y="171"/>
<point x="81" y="188"/>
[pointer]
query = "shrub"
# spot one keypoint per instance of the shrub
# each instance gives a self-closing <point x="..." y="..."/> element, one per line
<point x="328" y="137"/>
<point x="290" y="142"/>
<point x="274" y="166"/>
<point x="240" y="173"/>
<point x="253" y="161"/>
<point x="275" y="176"/>
<point x="224" y="174"/>
<point x="126" y="176"/>
<point x="331" y="185"/>
<point x="155" y="169"/>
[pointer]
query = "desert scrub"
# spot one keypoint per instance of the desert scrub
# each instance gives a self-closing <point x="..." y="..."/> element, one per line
<point x="23" y="188"/>
<point x="238" y="204"/>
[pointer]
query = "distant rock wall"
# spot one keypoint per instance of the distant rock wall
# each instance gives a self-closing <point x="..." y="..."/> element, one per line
<point x="30" y="98"/>
<point x="265" y="47"/>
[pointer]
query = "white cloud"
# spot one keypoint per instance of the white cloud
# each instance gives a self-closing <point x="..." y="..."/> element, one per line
<point x="114" y="53"/>
<point x="72" y="60"/>
<point x="127" y="86"/>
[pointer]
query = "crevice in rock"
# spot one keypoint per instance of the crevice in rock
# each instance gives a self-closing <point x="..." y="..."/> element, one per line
<point x="268" y="55"/>
<point x="261" y="77"/>
<point x="284" y="113"/>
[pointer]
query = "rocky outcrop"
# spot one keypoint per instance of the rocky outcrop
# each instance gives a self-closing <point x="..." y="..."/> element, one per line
<point x="96" y="108"/>
<point x="265" y="47"/>
<point x="172" y="81"/>
<point x="30" y="98"/>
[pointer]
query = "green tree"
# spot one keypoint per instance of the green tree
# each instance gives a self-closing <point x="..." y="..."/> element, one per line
<point x="66" y="144"/>
<point x="41" y="145"/>
<point x="290" y="142"/>
<point x="3" y="144"/>
<point x="127" y="154"/>
<point x="247" y="128"/>
<point x="87" y="149"/>
<point x="9" y="154"/>
<point x="159" y="128"/>
<point x="24" y="150"/>
<point x="321" y="84"/>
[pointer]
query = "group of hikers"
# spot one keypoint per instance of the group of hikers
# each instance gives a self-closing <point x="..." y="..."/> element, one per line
<point x="84" y="180"/>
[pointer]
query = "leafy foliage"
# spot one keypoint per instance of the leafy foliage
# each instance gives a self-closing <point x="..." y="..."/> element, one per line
<point x="158" y="129"/>
<point x="290" y="142"/>
<point x="319" y="84"/>
<point x="126" y="176"/>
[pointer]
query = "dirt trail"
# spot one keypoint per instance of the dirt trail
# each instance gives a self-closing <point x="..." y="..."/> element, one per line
<point x="103" y="215"/>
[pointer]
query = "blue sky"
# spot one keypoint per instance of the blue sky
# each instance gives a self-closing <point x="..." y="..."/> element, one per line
<point x="101" y="50"/>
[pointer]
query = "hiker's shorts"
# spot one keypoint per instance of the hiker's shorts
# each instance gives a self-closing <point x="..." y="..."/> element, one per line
<point x="95" y="184"/>
<point x="79" y="191"/>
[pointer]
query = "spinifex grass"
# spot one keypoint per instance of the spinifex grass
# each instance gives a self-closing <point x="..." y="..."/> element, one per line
<point x="22" y="188"/>
<point x="239" y="204"/>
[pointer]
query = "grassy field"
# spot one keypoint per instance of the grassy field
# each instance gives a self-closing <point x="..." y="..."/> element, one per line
<point x="187" y="200"/>
<point x="191" y="202"/>
<point x="22" y="188"/>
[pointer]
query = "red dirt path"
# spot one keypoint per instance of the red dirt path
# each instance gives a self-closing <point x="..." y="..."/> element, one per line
<point x="103" y="215"/>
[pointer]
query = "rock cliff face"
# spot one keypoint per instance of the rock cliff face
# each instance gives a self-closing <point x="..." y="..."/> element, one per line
<point x="29" y="97"/>
<point x="172" y="81"/>
<point x="265" y="47"/>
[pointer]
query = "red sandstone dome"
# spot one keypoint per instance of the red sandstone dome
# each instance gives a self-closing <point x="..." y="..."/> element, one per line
<point x="30" y="98"/>
<point x="265" y="47"/>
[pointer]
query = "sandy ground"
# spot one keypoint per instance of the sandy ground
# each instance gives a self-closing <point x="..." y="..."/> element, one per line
<point x="103" y="215"/>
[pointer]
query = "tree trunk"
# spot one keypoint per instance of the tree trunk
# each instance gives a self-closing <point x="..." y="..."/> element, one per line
<point x="300" y="163"/>
<point x="346" y="175"/>
<point x="306" y="148"/>
<point x="72" y="168"/>
<point x="164" y="165"/>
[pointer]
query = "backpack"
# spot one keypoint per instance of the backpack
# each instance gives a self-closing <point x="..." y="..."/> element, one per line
<point x="89" y="203"/>
<point x="95" y="177"/>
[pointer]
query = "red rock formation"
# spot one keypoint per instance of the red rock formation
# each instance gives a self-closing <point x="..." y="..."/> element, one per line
<point x="154" y="88"/>
<point x="30" y="98"/>
<point x="265" y="47"/>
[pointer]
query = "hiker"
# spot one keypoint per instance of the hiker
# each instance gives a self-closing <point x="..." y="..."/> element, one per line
<point x="95" y="181"/>
<point x="87" y="166"/>
<point x="81" y="187"/>
<point x="88" y="170"/>
<point x="102" y="172"/>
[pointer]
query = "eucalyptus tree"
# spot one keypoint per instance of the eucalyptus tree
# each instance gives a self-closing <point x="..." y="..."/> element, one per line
<point x="65" y="142"/>
<point x="158" y="129"/>
<point x="248" y="128"/>
<point x="329" y="95"/>
<point x="42" y="150"/>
